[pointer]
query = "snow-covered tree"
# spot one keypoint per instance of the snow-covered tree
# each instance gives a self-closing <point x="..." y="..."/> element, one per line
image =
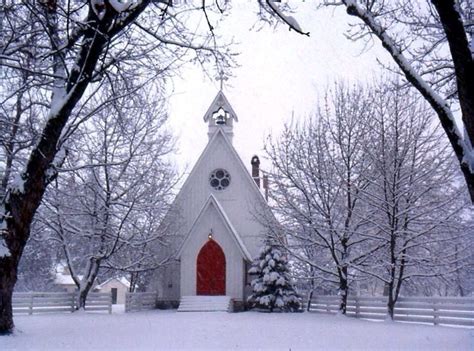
<point x="56" y="54"/>
<point x="105" y="209"/>
<point x="431" y="43"/>
<point x="273" y="287"/>
<point x="413" y="198"/>
<point x="368" y="189"/>
<point x="318" y="175"/>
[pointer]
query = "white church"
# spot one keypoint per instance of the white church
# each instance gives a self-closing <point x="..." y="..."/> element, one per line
<point x="214" y="223"/>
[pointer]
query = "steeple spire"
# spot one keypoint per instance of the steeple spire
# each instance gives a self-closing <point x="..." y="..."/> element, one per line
<point x="220" y="114"/>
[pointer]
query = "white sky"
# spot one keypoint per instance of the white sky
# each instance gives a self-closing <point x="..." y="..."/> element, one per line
<point x="280" y="73"/>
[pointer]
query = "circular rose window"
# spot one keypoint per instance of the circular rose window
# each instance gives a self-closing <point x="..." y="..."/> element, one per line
<point x="219" y="179"/>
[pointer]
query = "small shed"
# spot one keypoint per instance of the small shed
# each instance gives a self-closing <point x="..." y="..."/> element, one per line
<point x="117" y="286"/>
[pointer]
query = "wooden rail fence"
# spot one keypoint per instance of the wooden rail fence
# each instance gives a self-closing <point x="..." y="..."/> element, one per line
<point x="47" y="302"/>
<point x="433" y="310"/>
<point x="140" y="301"/>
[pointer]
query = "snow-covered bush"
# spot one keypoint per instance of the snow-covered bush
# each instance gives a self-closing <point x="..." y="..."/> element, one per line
<point x="273" y="288"/>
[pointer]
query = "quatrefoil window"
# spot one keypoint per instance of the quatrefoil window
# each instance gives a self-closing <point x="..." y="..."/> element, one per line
<point x="219" y="179"/>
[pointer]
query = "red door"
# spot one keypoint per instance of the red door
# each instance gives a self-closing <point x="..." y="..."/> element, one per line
<point x="210" y="271"/>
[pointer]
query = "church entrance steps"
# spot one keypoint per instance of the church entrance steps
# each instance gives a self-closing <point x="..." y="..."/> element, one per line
<point x="203" y="303"/>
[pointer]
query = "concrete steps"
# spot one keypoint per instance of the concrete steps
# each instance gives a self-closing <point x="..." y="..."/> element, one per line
<point x="205" y="304"/>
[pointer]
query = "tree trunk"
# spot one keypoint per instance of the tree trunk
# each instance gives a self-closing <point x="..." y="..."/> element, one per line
<point x="84" y="288"/>
<point x="21" y="203"/>
<point x="391" y="302"/>
<point x="15" y="237"/>
<point x="392" y="294"/>
<point x="82" y="297"/>
<point x="343" y="290"/>
<point x="310" y="296"/>
<point x="8" y="275"/>
<point x="462" y="60"/>
<point x="133" y="280"/>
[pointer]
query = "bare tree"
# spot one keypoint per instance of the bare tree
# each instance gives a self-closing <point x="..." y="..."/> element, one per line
<point x="61" y="53"/>
<point x="431" y="43"/>
<point x="412" y="194"/>
<point x="105" y="210"/>
<point x="369" y="190"/>
<point x="318" y="177"/>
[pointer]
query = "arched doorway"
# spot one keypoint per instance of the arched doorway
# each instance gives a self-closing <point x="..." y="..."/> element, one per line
<point x="210" y="270"/>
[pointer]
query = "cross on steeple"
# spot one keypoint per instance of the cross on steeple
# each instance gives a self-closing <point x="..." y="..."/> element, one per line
<point x="222" y="77"/>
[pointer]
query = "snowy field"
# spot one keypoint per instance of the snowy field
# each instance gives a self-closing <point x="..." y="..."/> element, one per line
<point x="168" y="330"/>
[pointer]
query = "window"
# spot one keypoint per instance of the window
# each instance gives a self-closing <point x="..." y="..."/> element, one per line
<point x="219" y="179"/>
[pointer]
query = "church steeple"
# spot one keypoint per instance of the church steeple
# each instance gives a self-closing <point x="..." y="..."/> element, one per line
<point x="220" y="114"/>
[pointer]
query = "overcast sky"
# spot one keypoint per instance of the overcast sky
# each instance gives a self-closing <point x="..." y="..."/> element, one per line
<point x="281" y="74"/>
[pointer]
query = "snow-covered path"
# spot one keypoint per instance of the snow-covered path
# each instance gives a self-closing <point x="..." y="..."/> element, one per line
<point x="167" y="330"/>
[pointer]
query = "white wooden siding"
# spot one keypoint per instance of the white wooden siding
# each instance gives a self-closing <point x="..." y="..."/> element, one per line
<point x="240" y="201"/>
<point x="198" y="238"/>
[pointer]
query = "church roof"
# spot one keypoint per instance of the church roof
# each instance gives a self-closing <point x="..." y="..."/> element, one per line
<point x="251" y="182"/>
<point x="220" y="101"/>
<point x="194" y="208"/>
<point x="238" y="240"/>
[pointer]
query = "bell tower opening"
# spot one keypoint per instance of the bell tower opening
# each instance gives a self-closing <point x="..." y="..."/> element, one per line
<point x="220" y="117"/>
<point x="220" y="114"/>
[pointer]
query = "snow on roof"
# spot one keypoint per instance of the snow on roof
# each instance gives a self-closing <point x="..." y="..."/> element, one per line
<point x="121" y="280"/>
<point x="220" y="101"/>
<point x="240" y="244"/>
<point x="217" y="133"/>
<point x="65" y="279"/>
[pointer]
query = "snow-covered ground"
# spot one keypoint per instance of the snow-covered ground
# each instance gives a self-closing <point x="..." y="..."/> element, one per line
<point x="168" y="330"/>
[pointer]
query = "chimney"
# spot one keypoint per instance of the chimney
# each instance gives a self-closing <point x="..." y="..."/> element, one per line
<point x="256" y="170"/>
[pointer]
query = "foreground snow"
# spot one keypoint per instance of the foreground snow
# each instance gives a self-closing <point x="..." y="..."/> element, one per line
<point x="168" y="330"/>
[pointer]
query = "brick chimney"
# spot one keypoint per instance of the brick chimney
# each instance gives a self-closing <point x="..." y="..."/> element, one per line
<point x="256" y="170"/>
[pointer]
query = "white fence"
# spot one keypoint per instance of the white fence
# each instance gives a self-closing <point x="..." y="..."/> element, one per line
<point x="47" y="302"/>
<point x="433" y="310"/>
<point x="140" y="301"/>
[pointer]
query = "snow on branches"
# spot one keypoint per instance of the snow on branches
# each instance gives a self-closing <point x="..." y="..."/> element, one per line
<point x="99" y="6"/>
<point x="4" y="250"/>
<point x="430" y="44"/>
